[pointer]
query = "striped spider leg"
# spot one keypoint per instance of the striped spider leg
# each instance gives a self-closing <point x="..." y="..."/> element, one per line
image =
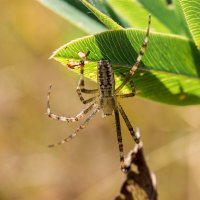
<point x="135" y="135"/>
<point x="105" y="98"/>
<point x="80" y="89"/>
<point x="85" y="111"/>
<point x="139" y="58"/>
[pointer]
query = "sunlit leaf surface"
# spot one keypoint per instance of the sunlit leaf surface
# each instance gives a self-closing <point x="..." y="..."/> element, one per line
<point x="169" y="71"/>
<point x="191" y="11"/>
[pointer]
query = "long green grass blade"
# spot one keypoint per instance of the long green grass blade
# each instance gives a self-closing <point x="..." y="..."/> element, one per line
<point x="102" y="17"/>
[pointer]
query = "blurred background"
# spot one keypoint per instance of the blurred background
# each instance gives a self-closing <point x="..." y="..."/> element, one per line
<point x="88" y="167"/>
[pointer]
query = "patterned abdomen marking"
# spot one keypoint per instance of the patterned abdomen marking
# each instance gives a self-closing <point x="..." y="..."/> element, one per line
<point x="106" y="83"/>
<point x="105" y="79"/>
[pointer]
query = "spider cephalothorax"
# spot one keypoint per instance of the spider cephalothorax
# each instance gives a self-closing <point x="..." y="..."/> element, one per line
<point x="105" y="97"/>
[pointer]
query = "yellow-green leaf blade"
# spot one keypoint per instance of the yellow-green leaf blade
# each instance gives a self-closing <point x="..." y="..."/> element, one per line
<point x="169" y="15"/>
<point x="136" y="15"/>
<point x="74" y="15"/>
<point x="102" y="17"/>
<point x="191" y="11"/>
<point x="169" y="71"/>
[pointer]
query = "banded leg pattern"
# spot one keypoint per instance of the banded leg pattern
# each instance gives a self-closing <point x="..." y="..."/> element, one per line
<point x="119" y="139"/>
<point x="82" y="126"/>
<point x="142" y="50"/>
<point x="133" y="92"/>
<point x="63" y="118"/>
<point x="134" y="134"/>
<point x="139" y="58"/>
<point x="80" y="88"/>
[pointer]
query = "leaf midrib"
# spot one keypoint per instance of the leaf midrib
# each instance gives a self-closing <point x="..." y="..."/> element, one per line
<point x="144" y="68"/>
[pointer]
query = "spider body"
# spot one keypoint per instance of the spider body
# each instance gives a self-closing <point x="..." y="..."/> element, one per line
<point x="106" y="87"/>
<point x="104" y="99"/>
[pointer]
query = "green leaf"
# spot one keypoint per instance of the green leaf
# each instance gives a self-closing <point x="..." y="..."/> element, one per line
<point x="75" y="13"/>
<point x="169" y="71"/>
<point x="169" y="15"/>
<point x="81" y="16"/>
<point x="102" y="17"/>
<point x="191" y="11"/>
<point x="135" y="14"/>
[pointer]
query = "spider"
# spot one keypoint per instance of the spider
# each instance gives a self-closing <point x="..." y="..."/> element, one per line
<point x="105" y="97"/>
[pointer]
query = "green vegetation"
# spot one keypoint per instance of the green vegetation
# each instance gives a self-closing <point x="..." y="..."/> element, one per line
<point x="170" y="68"/>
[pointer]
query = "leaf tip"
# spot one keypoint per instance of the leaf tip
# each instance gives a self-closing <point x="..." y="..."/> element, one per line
<point x="51" y="56"/>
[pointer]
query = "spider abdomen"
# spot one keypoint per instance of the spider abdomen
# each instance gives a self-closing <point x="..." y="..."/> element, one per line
<point x="106" y="81"/>
<point x="106" y="84"/>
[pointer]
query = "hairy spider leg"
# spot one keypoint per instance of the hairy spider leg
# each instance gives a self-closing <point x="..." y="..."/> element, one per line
<point x="119" y="139"/>
<point x="80" y="88"/>
<point x="86" y="101"/>
<point x="139" y="58"/>
<point x="133" y="91"/>
<point x="134" y="134"/>
<point x="82" y="126"/>
<point x="63" y="118"/>
<point x="81" y="81"/>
